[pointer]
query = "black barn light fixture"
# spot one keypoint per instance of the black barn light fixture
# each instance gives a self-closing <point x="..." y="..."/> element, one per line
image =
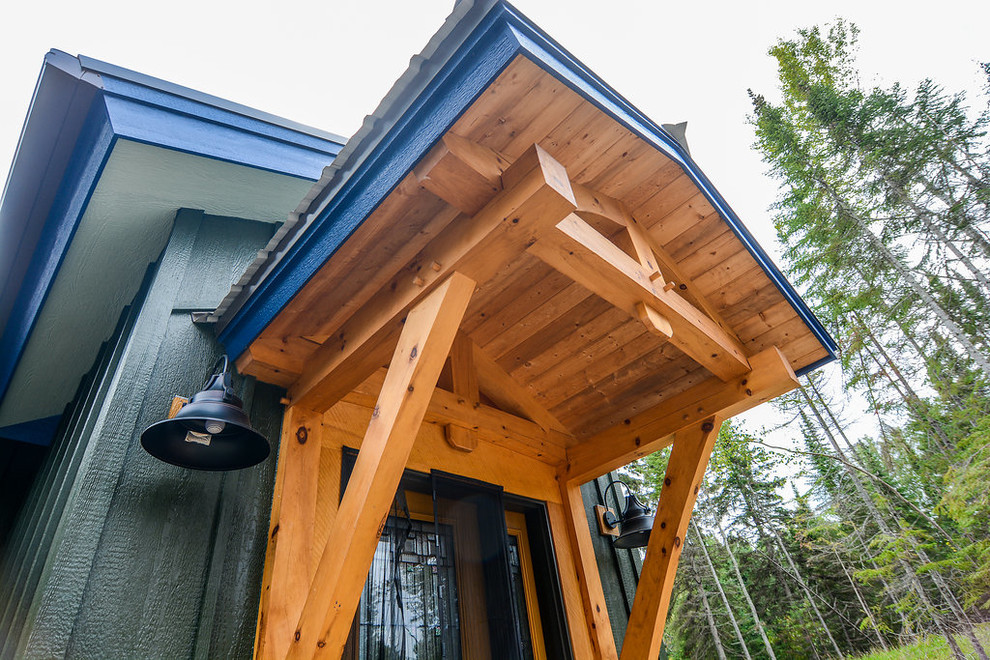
<point x="211" y="432"/>
<point x="634" y="521"/>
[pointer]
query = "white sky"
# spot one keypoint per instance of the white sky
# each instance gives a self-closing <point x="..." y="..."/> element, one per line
<point x="328" y="63"/>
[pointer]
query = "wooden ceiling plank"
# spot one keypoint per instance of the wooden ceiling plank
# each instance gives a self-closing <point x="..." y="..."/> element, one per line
<point x="551" y="333"/>
<point x="505" y="314"/>
<point x="697" y="239"/>
<point x="556" y="110"/>
<point x="560" y="304"/>
<point x="538" y="197"/>
<point x="651" y="185"/>
<point x="405" y="221"/>
<point x="564" y="392"/>
<point x="419" y="355"/>
<point x="590" y="259"/>
<point x="633" y="388"/>
<point x="677" y="195"/>
<point x="757" y="324"/>
<point x="650" y="431"/>
<point x="583" y="345"/>
<point x="641" y="396"/>
<point x="496" y="101"/>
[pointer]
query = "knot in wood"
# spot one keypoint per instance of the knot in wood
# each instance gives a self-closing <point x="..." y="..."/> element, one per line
<point x="663" y="525"/>
<point x="677" y="541"/>
<point x="707" y="427"/>
<point x="414" y="352"/>
<point x="302" y="435"/>
<point x="321" y="643"/>
<point x="666" y="482"/>
<point x="298" y="635"/>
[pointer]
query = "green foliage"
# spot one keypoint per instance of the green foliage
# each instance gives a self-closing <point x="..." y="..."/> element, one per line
<point x="884" y="219"/>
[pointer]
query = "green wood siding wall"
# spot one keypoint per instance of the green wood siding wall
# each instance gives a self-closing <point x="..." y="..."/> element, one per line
<point x="115" y="554"/>
<point x="619" y="569"/>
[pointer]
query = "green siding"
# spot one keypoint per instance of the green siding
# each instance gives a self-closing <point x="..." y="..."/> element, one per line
<point x="115" y="554"/>
<point x="619" y="569"/>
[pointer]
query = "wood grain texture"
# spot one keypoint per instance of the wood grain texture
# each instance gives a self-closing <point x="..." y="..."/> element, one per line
<point x="292" y="531"/>
<point x="685" y="472"/>
<point x="420" y="353"/>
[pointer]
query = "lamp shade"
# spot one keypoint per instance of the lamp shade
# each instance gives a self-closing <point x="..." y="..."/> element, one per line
<point x="635" y="526"/>
<point x="211" y="432"/>
<point x="635" y="522"/>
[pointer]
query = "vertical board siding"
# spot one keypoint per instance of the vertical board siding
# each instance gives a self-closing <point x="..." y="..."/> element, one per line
<point x="619" y="568"/>
<point x="116" y="554"/>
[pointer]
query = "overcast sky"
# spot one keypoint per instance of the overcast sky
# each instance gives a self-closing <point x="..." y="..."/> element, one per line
<point x="327" y="64"/>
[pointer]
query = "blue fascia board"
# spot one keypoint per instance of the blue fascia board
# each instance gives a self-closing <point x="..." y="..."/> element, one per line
<point x="158" y="126"/>
<point x="131" y="111"/>
<point x="120" y="80"/>
<point x="501" y="36"/>
<point x="39" y="432"/>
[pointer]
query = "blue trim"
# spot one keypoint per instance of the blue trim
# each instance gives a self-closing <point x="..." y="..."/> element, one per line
<point x="123" y="81"/>
<point x="121" y="104"/>
<point x="502" y="35"/>
<point x="195" y="135"/>
<point x="92" y="151"/>
<point x="39" y="432"/>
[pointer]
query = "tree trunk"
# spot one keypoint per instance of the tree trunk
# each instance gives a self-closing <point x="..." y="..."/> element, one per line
<point x="745" y="593"/>
<point x="862" y="603"/>
<point x="885" y="529"/>
<point x="708" y="613"/>
<point x="721" y="593"/>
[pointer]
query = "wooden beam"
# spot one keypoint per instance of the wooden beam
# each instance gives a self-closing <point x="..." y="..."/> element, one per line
<point x="538" y="198"/>
<point x="511" y="395"/>
<point x="570" y="584"/>
<point x="290" y="535"/>
<point x="465" y="384"/>
<point x="419" y="356"/>
<point x="589" y="581"/>
<point x="653" y="429"/>
<point x="463" y="173"/>
<point x="579" y="251"/>
<point x="685" y="472"/>
<point x="490" y="424"/>
<point x="594" y="203"/>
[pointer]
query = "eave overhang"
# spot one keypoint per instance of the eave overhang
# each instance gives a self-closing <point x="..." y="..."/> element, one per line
<point x="81" y="109"/>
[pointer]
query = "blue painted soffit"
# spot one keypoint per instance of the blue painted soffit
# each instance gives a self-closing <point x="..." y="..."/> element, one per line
<point x="475" y="44"/>
<point x="36" y="432"/>
<point x="80" y="108"/>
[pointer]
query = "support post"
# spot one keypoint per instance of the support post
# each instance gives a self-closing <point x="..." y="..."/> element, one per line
<point x="685" y="471"/>
<point x="422" y="349"/>
<point x="290" y="533"/>
<point x="589" y="580"/>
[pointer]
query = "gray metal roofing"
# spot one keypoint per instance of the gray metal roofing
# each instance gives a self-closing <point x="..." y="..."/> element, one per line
<point x="422" y="67"/>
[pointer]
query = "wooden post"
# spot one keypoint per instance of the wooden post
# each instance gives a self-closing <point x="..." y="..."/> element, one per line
<point x="290" y="533"/>
<point x="422" y="349"/>
<point x="685" y="471"/>
<point x="589" y="581"/>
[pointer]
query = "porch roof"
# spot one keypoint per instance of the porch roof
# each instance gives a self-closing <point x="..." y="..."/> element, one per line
<point x="488" y="87"/>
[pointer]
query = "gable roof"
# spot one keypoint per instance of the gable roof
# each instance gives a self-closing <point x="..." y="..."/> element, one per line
<point x="475" y="45"/>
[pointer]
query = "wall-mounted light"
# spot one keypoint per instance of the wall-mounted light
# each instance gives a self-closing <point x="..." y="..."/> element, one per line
<point x="211" y="432"/>
<point x="632" y="526"/>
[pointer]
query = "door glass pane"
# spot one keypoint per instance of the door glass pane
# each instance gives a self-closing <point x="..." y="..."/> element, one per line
<point x="409" y="604"/>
